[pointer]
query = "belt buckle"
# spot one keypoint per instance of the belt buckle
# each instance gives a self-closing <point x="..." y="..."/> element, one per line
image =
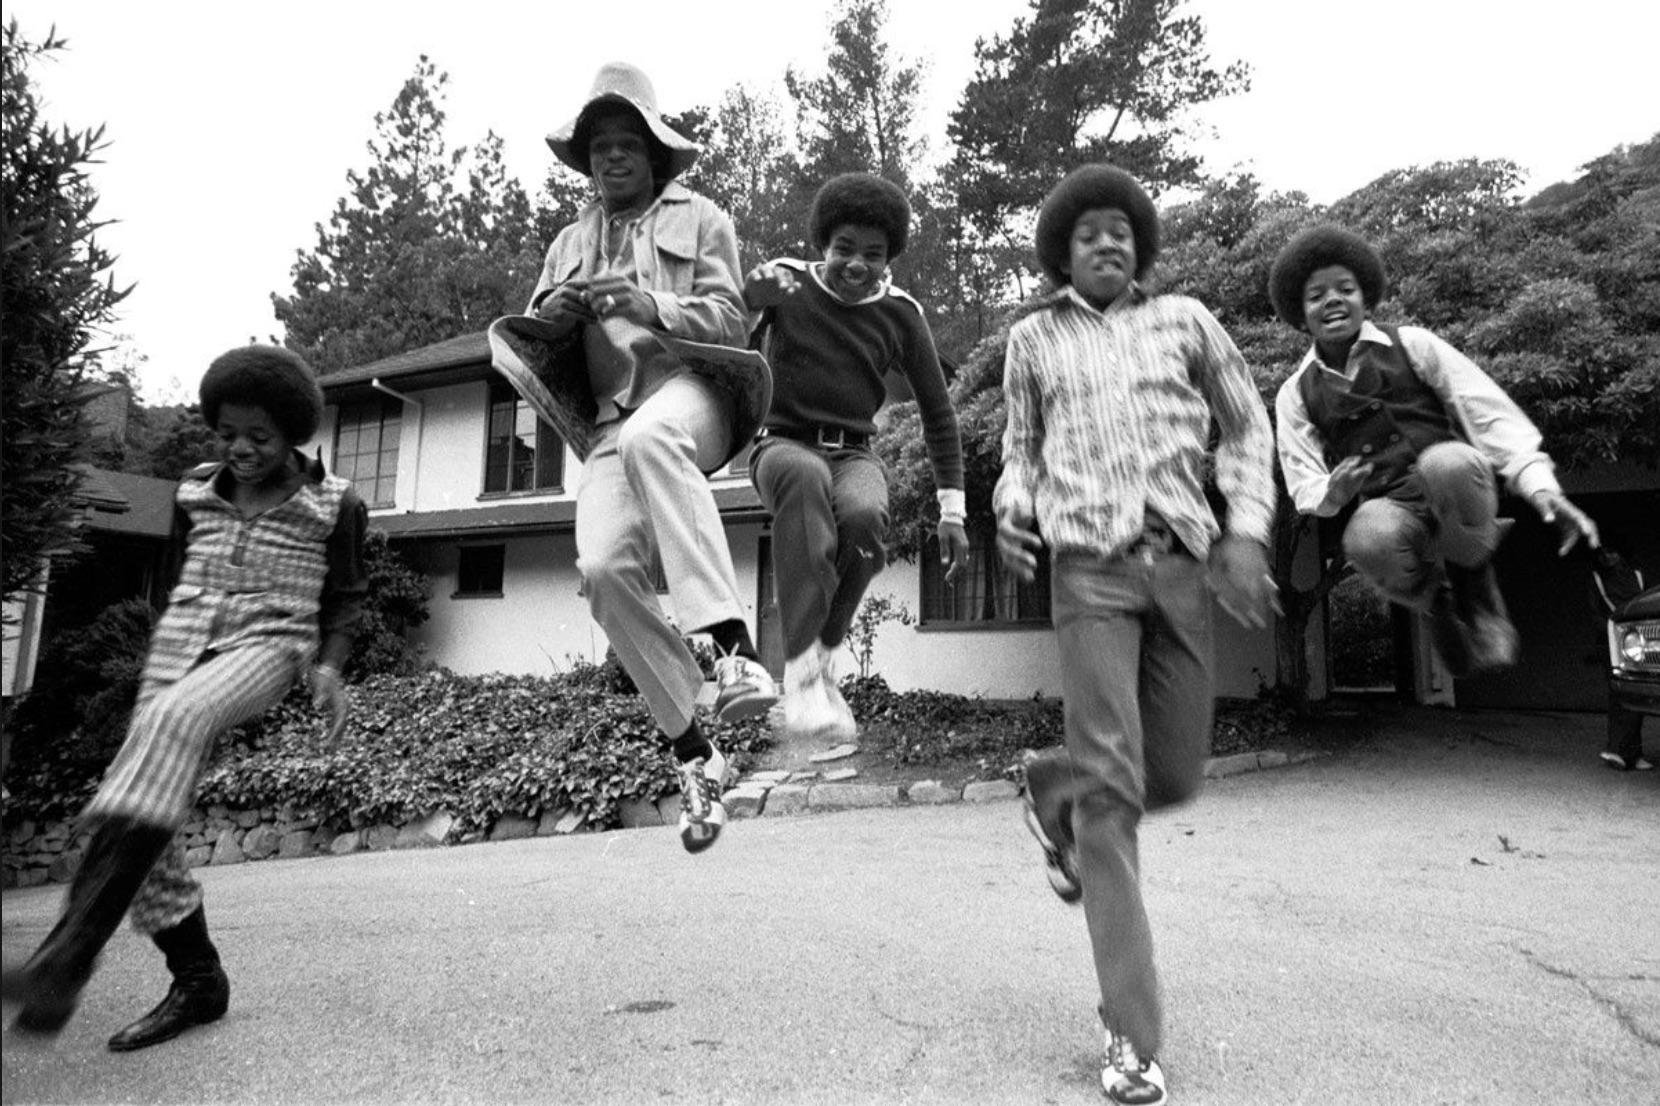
<point x="831" y="439"/>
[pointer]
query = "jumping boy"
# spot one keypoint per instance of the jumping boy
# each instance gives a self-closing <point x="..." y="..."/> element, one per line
<point x="271" y="556"/>
<point x="1112" y="393"/>
<point x="831" y="330"/>
<point x="648" y="259"/>
<point x="1400" y="420"/>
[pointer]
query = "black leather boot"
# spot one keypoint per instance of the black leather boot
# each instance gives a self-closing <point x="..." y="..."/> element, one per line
<point x="200" y="992"/>
<point x="49" y="984"/>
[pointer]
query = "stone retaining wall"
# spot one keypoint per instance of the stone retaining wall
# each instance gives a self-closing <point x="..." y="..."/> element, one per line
<point x="50" y="852"/>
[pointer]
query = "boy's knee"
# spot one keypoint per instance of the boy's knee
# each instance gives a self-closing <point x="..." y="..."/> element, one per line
<point x="1447" y="462"/>
<point x="1375" y="534"/>
<point x="865" y="527"/>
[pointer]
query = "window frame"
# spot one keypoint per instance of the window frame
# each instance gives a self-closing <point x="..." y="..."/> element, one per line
<point x="352" y="418"/>
<point x="500" y="394"/>
<point x="499" y="570"/>
<point x="1030" y="604"/>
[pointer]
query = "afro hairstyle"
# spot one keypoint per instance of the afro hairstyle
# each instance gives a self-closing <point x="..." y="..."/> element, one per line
<point x="862" y="200"/>
<point x="269" y="377"/>
<point x="1084" y="189"/>
<point x="1315" y="248"/>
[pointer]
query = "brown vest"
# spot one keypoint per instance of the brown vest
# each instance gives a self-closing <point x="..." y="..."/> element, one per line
<point x="1388" y="416"/>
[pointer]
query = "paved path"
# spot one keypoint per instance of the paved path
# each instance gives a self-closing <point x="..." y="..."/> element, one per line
<point x="1462" y="908"/>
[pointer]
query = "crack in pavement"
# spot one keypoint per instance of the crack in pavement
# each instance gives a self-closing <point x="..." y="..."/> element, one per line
<point x="1621" y="1016"/>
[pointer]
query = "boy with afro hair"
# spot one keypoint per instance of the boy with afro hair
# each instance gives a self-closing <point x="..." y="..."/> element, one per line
<point x="1112" y="393"/>
<point x="831" y="331"/>
<point x="1398" y="419"/>
<point x="269" y="555"/>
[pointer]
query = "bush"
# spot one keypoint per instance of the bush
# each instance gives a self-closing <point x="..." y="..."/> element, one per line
<point x="476" y="746"/>
<point x="69" y="726"/>
<point x="935" y="728"/>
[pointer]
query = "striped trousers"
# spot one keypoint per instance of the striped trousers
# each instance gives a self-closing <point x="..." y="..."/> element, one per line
<point x="154" y="776"/>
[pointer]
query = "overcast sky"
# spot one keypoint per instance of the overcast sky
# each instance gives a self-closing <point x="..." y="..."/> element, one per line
<point x="232" y="126"/>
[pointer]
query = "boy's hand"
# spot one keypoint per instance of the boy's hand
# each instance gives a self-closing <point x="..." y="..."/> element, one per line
<point x="328" y="692"/>
<point x="1018" y="542"/>
<point x="1570" y="522"/>
<point x="566" y="306"/>
<point x="953" y="549"/>
<point x="768" y="284"/>
<point x="615" y="297"/>
<point x="1346" y="480"/>
<point x="1239" y="573"/>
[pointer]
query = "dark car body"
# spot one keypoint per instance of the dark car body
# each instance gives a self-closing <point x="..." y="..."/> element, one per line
<point x="1634" y="654"/>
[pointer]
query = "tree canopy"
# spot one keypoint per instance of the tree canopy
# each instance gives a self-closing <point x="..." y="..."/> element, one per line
<point x="57" y="293"/>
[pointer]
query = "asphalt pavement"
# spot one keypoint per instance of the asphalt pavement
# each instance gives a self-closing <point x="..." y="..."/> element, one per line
<point x="1447" y="908"/>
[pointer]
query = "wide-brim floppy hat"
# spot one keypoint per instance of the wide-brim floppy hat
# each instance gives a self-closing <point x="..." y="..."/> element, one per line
<point x="1315" y="248"/>
<point x="618" y="82"/>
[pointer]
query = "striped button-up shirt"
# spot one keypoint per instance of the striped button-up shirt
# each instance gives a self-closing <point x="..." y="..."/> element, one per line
<point x="1110" y="413"/>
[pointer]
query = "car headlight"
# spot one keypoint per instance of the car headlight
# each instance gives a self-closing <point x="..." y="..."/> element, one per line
<point x="1631" y="646"/>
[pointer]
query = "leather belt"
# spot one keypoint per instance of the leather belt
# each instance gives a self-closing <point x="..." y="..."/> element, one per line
<point x="823" y="437"/>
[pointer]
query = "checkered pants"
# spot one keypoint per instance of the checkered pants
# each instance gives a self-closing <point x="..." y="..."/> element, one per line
<point x="154" y="776"/>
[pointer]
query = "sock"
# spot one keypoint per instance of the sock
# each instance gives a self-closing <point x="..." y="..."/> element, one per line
<point x="692" y="744"/>
<point x="732" y="636"/>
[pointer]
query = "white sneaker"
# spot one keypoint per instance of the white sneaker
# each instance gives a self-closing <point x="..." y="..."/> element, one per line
<point x="1129" y="1079"/>
<point x="702" y="813"/>
<point x="743" y="688"/>
<point x="843" y="727"/>
<point x="808" y="714"/>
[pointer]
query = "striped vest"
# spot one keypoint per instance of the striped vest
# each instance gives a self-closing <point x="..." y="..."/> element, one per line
<point x="246" y="579"/>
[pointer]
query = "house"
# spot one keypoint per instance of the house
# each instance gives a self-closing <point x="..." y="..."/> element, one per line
<point x="479" y="495"/>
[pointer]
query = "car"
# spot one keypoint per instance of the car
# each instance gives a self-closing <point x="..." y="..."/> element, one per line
<point x="1633" y="659"/>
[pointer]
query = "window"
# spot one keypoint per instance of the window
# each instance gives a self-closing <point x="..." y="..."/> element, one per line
<point x="366" y="448"/>
<point x="480" y="571"/>
<point x="985" y="592"/>
<point x="523" y="453"/>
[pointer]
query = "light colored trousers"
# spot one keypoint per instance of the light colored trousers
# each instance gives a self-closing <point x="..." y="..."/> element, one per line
<point x="642" y="489"/>
<point x="154" y="776"/>
<point x="1398" y="546"/>
<point x="1135" y="641"/>
<point x="829" y="529"/>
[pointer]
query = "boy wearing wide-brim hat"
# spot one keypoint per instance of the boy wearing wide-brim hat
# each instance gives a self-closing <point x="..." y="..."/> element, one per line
<point x="1112" y="394"/>
<point x="1400" y="420"/>
<point x="625" y="352"/>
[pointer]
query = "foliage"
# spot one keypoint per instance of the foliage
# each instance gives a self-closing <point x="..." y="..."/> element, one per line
<point x="68" y="727"/>
<point x="873" y="613"/>
<point x="938" y="729"/>
<point x="56" y="291"/>
<point x="430" y="243"/>
<point x="396" y="604"/>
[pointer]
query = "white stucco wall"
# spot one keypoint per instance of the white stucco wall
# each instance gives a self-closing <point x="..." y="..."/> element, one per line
<point x="1018" y="663"/>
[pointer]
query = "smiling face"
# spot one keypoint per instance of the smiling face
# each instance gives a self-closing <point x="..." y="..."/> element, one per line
<point x="252" y="445"/>
<point x="619" y="157"/>
<point x="855" y="261"/>
<point x="1101" y="258"/>
<point x="1333" y="306"/>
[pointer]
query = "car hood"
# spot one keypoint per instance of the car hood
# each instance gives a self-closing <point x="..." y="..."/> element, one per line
<point x="1645" y="604"/>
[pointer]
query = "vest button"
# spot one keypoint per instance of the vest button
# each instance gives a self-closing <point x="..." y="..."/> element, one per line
<point x="1394" y="437"/>
<point x="1366" y="448"/>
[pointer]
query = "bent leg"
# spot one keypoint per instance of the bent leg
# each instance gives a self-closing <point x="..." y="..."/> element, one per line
<point x="861" y="509"/>
<point x="613" y="556"/>
<point x="795" y="486"/>
<point x="1392" y="548"/>
<point x="1463" y="498"/>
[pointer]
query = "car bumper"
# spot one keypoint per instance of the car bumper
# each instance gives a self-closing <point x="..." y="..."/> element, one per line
<point x="1638" y="695"/>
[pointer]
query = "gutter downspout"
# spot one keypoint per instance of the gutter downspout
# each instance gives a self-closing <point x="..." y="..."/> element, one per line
<point x="420" y="421"/>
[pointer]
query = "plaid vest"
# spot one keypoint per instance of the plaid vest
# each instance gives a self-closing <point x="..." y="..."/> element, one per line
<point x="1387" y="416"/>
<point x="246" y="579"/>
